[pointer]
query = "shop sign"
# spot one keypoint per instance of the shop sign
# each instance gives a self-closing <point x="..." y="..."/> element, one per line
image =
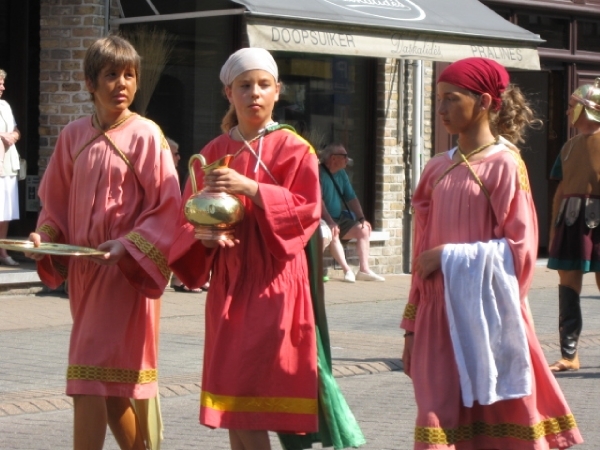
<point x="283" y="36"/>
<point x="385" y="9"/>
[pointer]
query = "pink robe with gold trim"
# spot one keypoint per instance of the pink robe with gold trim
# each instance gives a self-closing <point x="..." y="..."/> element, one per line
<point x="259" y="368"/>
<point x="89" y="195"/>
<point x="457" y="211"/>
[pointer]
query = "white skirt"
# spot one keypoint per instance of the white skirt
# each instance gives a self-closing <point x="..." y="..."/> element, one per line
<point x="9" y="199"/>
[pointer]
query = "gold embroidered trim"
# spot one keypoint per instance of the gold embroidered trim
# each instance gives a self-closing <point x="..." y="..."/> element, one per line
<point x="151" y="252"/>
<point x="287" y="405"/>
<point x="442" y="436"/>
<point x="96" y="125"/>
<point x="302" y="139"/>
<point x="111" y="375"/>
<point x="50" y="231"/>
<point x="410" y="311"/>
<point x="164" y="144"/>
<point x="522" y="172"/>
<point x="120" y="153"/>
<point x="464" y="159"/>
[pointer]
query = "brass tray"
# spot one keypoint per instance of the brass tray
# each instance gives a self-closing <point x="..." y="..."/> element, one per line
<point x="49" y="248"/>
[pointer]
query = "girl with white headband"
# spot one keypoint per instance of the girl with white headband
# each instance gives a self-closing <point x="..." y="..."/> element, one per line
<point x="260" y="356"/>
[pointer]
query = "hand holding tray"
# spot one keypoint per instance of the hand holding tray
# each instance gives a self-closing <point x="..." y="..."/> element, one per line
<point x="48" y="248"/>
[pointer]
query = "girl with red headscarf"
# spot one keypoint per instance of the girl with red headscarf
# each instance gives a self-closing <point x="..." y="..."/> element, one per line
<point x="480" y="377"/>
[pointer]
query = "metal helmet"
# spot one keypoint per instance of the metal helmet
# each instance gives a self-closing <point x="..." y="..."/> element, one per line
<point x="587" y="97"/>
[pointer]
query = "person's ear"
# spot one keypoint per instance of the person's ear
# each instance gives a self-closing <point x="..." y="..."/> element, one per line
<point x="89" y="85"/>
<point x="228" y="94"/>
<point x="485" y="101"/>
<point x="277" y="91"/>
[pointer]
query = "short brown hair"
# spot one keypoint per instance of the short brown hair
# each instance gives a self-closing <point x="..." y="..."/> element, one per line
<point x="111" y="50"/>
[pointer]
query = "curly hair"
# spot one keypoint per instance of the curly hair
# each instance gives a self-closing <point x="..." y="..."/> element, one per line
<point x="514" y="117"/>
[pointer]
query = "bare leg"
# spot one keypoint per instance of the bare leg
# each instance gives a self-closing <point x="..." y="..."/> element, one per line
<point x="90" y="419"/>
<point x="124" y="424"/>
<point x="337" y="251"/>
<point x="3" y="233"/>
<point x="249" y="440"/>
<point x="572" y="279"/>
<point x="598" y="280"/>
<point x="234" y="441"/>
<point x="361" y="234"/>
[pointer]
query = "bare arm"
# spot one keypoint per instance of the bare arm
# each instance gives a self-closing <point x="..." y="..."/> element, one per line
<point x="555" y="206"/>
<point x="355" y="207"/>
<point x="10" y="137"/>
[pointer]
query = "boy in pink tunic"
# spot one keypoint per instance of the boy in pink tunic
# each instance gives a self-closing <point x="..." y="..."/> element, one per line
<point x="477" y="194"/>
<point x="111" y="185"/>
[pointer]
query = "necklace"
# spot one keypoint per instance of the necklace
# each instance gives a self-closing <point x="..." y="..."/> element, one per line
<point x="464" y="159"/>
<point x="258" y="155"/>
<point x="96" y="122"/>
<point x="477" y="150"/>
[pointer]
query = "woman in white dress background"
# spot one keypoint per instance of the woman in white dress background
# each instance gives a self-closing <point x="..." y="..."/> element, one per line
<point x="9" y="169"/>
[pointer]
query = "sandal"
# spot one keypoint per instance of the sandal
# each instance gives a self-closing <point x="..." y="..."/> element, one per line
<point x="563" y="365"/>
<point x="184" y="288"/>
<point x="8" y="261"/>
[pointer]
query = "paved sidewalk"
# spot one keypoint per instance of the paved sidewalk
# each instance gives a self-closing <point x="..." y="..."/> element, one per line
<point x="366" y="345"/>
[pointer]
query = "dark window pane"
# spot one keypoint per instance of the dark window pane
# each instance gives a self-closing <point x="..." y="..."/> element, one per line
<point x="588" y="36"/>
<point x="555" y="31"/>
<point x="506" y="14"/>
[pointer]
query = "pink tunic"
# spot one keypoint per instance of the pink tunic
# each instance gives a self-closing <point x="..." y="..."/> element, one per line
<point x="89" y="196"/>
<point x="458" y="211"/>
<point x="259" y="368"/>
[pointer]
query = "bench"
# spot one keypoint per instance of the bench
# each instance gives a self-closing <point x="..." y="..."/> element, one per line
<point x="376" y="236"/>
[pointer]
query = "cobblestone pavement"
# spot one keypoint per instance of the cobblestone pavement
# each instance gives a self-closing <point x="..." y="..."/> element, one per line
<point x="366" y="344"/>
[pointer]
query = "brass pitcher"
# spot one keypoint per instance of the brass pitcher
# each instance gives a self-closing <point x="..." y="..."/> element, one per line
<point x="213" y="214"/>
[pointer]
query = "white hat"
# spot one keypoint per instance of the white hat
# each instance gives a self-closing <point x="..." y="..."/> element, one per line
<point x="248" y="59"/>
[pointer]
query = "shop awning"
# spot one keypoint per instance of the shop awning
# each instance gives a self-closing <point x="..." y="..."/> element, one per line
<point x="439" y="30"/>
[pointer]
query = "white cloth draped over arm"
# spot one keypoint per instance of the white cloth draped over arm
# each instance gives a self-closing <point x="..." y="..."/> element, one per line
<point x="486" y="323"/>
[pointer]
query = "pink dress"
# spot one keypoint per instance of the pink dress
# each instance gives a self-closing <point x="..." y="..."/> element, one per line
<point x="90" y="195"/>
<point x="260" y="367"/>
<point x="458" y="211"/>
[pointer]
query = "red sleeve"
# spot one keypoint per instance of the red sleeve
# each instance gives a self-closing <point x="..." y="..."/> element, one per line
<point x="146" y="265"/>
<point x="53" y="220"/>
<point x="517" y="219"/>
<point x="292" y="209"/>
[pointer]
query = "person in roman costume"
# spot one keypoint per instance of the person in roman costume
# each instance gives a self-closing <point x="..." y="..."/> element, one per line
<point x="479" y="374"/>
<point x="575" y="236"/>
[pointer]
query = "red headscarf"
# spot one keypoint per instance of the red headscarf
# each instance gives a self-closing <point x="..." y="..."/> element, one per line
<point x="478" y="75"/>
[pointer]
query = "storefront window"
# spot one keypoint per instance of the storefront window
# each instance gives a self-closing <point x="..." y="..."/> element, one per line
<point x="554" y="30"/>
<point x="588" y="35"/>
<point x="324" y="98"/>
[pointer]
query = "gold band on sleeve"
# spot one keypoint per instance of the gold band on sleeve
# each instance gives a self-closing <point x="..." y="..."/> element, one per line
<point x="151" y="252"/>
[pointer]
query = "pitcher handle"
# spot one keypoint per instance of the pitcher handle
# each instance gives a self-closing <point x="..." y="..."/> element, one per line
<point x="202" y="160"/>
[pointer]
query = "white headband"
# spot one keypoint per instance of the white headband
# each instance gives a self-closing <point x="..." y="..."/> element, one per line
<point x="248" y="59"/>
